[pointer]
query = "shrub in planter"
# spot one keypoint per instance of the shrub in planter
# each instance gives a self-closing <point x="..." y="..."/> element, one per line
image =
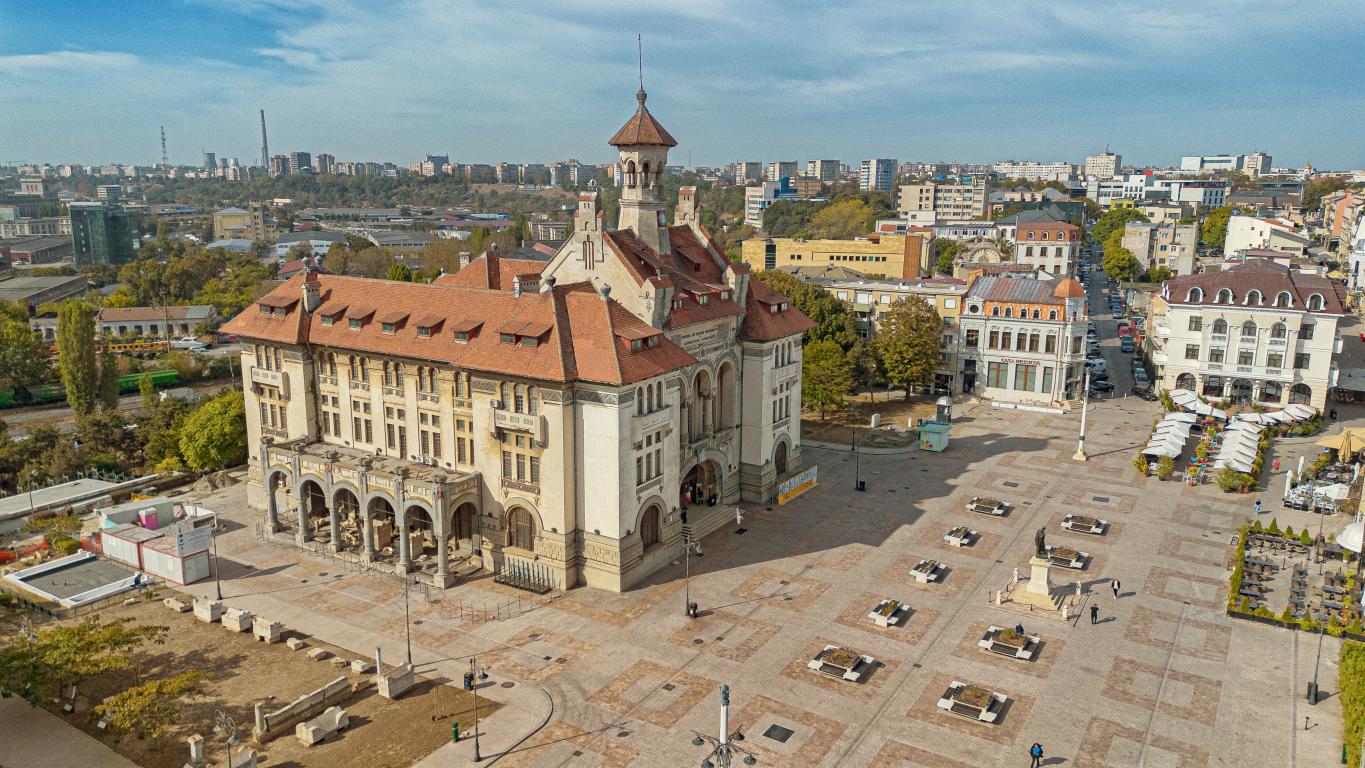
<point x="1289" y="532"/>
<point x="1165" y="466"/>
<point x="1305" y="538"/>
<point x="66" y="545"/>
<point x="1231" y="480"/>
<point x="1256" y="526"/>
<point x="1140" y="464"/>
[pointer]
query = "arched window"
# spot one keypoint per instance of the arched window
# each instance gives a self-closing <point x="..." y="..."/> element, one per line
<point x="630" y="173"/>
<point x="1224" y="296"/>
<point x="644" y="175"/>
<point x="1195" y="296"/>
<point x="398" y="374"/>
<point x="1279" y="331"/>
<point x="504" y="394"/>
<point x="1009" y="311"/>
<point x="1284" y="300"/>
<point x="649" y="528"/>
<point x="1052" y="314"/>
<point x="462" y="385"/>
<point x="1220" y="327"/>
<point x="995" y="311"/>
<point x="1253" y="298"/>
<point x="388" y="374"/>
<point x="521" y="529"/>
<point x="519" y="399"/>
<point x="1248" y="329"/>
<point x="1315" y="303"/>
<point x="1037" y="313"/>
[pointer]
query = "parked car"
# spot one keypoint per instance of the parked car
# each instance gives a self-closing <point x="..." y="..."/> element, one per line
<point x="1098" y="376"/>
<point x="1101" y="386"/>
<point x="188" y="343"/>
<point x="1093" y="365"/>
<point x="1145" y="393"/>
<point x="1126" y="344"/>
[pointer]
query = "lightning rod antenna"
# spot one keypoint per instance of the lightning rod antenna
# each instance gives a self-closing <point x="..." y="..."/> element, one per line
<point x="640" y="54"/>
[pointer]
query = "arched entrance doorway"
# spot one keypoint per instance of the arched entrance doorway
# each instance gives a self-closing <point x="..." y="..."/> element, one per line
<point x="1301" y="394"/>
<point x="651" y="527"/>
<point x="1241" y="391"/>
<point x="1185" y="381"/>
<point x="421" y="533"/>
<point x="701" y="485"/>
<point x="347" y="507"/>
<point x="315" y="511"/>
<point x="276" y="500"/>
<point x="1213" y="386"/>
<point x="1271" y="392"/>
<point x="780" y="458"/>
<point x="379" y="514"/>
<point x="466" y="522"/>
<point x="521" y="529"/>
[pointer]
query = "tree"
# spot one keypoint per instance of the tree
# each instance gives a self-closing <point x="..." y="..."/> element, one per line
<point x="400" y="273"/>
<point x="1159" y="274"/>
<point x="37" y="669"/>
<point x="147" y="390"/>
<point x="1120" y="264"/>
<point x="24" y="357"/>
<point x="108" y="381"/>
<point x="826" y="376"/>
<point x="947" y="255"/>
<point x="76" y="347"/>
<point x="1214" y="229"/>
<point x="1113" y="220"/>
<point x="1320" y="188"/>
<point x="843" y="220"/>
<point x="147" y="709"/>
<point x="215" y="435"/>
<point x="862" y="357"/>
<point x="910" y="343"/>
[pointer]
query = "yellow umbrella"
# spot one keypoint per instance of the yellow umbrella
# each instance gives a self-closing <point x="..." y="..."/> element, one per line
<point x="1346" y="443"/>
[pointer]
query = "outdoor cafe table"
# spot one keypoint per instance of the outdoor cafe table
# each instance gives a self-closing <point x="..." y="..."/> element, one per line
<point x="1334" y="605"/>
<point x="1252" y="560"/>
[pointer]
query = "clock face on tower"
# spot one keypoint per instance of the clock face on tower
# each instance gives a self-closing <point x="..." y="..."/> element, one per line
<point x="663" y="218"/>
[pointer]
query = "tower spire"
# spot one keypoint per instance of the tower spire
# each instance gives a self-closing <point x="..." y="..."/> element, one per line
<point x="640" y="56"/>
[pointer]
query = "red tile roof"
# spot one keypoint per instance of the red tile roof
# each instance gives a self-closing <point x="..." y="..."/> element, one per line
<point x="581" y="336"/>
<point x="492" y="271"/>
<point x="642" y="129"/>
<point x="1261" y="275"/>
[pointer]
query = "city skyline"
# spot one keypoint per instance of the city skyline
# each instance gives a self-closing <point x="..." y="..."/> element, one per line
<point x="359" y="84"/>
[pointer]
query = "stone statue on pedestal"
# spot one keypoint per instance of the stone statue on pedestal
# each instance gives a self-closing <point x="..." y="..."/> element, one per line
<point x="1040" y="542"/>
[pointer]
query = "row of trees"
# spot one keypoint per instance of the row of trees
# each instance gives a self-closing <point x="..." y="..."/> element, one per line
<point x="848" y="213"/>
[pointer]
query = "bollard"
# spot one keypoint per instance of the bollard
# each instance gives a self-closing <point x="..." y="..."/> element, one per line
<point x="455" y="731"/>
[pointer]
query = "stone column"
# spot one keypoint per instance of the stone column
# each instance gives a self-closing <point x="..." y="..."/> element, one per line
<point x="442" y="559"/>
<point x="272" y="514"/>
<point x="367" y="532"/>
<point x="335" y="527"/>
<point x="404" y="555"/>
<point x="303" y="534"/>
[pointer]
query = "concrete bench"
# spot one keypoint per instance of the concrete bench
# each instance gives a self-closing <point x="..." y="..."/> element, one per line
<point x="318" y="654"/>
<point x="295" y="644"/>
<point x="332" y="720"/>
<point x="208" y="611"/>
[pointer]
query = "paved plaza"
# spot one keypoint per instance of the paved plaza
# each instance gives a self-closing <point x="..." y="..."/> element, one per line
<point x="599" y="679"/>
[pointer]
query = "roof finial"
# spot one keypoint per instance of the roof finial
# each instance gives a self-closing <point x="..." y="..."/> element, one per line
<point x="640" y="56"/>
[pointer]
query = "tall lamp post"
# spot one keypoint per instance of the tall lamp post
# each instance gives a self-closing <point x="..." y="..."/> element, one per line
<point x="222" y="724"/>
<point x="1085" y="406"/>
<point x="472" y="678"/>
<point x="723" y="748"/>
<point x="217" y="564"/>
<point x="689" y="547"/>
<point x="857" y="463"/>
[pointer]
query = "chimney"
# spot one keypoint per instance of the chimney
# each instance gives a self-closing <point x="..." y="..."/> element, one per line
<point x="312" y="290"/>
<point x="548" y="284"/>
<point x="491" y="264"/>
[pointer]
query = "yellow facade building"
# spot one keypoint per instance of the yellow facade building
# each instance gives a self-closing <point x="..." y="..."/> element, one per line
<point x="887" y="256"/>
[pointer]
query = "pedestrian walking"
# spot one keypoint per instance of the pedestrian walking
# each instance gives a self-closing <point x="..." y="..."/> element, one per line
<point x="1116" y="586"/>
<point x="1258" y="506"/>
<point x="1094" y="613"/>
<point x="1036" y="753"/>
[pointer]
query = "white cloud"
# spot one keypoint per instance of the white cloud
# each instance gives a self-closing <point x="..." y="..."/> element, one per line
<point x="65" y="62"/>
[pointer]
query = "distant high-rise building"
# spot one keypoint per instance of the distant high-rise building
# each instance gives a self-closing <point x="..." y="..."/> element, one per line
<point x="746" y="171"/>
<point x="783" y="169"/>
<point x="110" y="192"/>
<point x="300" y="162"/>
<point x="103" y="234"/>
<point x="507" y="173"/>
<point x="1105" y="165"/>
<point x="279" y="165"/>
<point x="827" y="171"/>
<point x="210" y="161"/>
<point x="1030" y="171"/>
<point x="1254" y="164"/>
<point x="325" y="163"/>
<point x="877" y="175"/>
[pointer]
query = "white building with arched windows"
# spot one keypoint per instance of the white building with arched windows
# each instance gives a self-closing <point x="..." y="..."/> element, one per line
<point x="569" y="421"/>
<point x="1257" y="332"/>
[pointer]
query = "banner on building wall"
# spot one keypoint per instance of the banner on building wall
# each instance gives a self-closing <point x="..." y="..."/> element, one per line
<point x="796" y="485"/>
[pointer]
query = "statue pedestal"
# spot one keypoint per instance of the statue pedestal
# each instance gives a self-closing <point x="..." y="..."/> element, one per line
<point x="1038" y="591"/>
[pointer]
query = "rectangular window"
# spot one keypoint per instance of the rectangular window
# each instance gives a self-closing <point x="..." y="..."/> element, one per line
<point x="973" y="337"/>
<point x="336" y="424"/>
<point x="1191" y="351"/>
<point x="521" y="466"/>
<point x="535" y="469"/>
<point x="1006" y="339"/>
<point x="460" y="452"/>
<point x="1244" y="357"/>
<point x="424" y="442"/>
<point x="1215" y="355"/>
<point x="639" y="470"/>
<point x="1306" y="331"/>
<point x="1076" y="344"/>
<point x="992" y="341"/>
<point x="507" y="464"/>
<point x="1274" y="360"/>
<point x="1033" y="342"/>
<point x="1020" y="342"/>
<point x="1050" y="344"/>
<point x="1047" y="378"/>
<point x="995" y="375"/>
<point x="388" y="429"/>
<point x="1025" y="377"/>
<point x="369" y="431"/>
<point x="1301" y="360"/>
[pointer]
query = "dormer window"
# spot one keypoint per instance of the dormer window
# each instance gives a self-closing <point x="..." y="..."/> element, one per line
<point x="462" y="336"/>
<point x="353" y="323"/>
<point x="507" y="338"/>
<point x="1283" y="300"/>
<point x="264" y="309"/>
<point x="702" y="299"/>
<point x="636" y="345"/>
<point x="1224" y="297"/>
<point x="1315" y="303"/>
<point x="327" y="320"/>
<point x="724" y="295"/>
<point x="530" y="341"/>
<point x="424" y="331"/>
<point x="389" y="328"/>
<point x="1195" y="296"/>
<point x="652" y="341"/>
<point x="677" y="303"/>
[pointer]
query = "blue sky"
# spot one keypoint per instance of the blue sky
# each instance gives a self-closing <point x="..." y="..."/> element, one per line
<point x="489" y="80"/>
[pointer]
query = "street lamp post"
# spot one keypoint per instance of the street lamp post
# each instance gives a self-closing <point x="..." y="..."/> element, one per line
<point x="857" y="463"/>
<point x="407" y="619"/>
<point x="217" y="564"/>
<point x="472" y="678"/>
<point x="723" y="749"/>
<point x="1085" y="406"/>
<point x="222" y="724"/>
<point x="689" y="546"/>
